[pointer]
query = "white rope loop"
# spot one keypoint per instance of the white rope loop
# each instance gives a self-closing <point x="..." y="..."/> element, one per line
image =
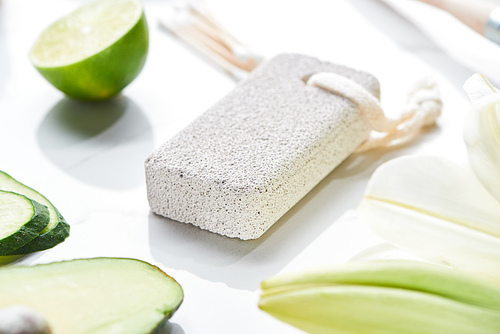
<point x="422" y="109"/>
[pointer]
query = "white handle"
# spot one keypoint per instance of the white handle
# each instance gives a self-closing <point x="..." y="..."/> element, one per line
<point x="473" y="13"/>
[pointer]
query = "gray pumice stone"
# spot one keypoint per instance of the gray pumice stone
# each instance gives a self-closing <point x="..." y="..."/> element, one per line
<point x="247" y="160"/>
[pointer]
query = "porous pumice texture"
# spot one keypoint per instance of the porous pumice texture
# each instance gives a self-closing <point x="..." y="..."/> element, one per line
<point x="247" y="160"/>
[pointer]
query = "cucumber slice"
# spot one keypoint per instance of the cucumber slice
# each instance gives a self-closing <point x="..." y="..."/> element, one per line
<point x="93" y="296"/>
<point x="56" y="230"/>
<point x="21" y="220"/>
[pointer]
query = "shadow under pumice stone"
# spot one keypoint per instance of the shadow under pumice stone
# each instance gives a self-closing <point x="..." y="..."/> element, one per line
<point x="100" y="143"/>
<point x="243" y="264"/>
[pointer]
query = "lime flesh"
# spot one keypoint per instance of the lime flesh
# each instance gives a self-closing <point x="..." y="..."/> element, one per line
<point x="96" y="51"/>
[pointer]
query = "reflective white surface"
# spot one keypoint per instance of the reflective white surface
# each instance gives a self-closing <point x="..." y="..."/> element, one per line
<point x="88" y="158"/>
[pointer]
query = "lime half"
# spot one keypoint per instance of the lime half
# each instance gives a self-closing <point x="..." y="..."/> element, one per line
<point x="94" y="52"/>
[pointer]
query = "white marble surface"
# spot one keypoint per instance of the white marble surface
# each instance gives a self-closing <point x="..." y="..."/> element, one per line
<point x="88" y="158"/>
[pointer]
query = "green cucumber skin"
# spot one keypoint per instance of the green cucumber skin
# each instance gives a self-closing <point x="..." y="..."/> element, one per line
<point x="28" y="231"/>
<point x="52" y="238"/>
<point x="44" y="241"/>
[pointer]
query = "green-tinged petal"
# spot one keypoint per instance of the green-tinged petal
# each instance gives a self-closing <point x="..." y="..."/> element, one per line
<point x="384" y="297"/>
<point x="435" y="209"/>
<point x="346" y="309"/>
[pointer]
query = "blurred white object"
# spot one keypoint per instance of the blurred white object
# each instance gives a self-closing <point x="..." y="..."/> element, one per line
<point x="479" y="15"/>
<point x="18" y="319"/>
<point x="492" y="28"/>
<point x="453" y="36"/>
<point x="482" y="16"/>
